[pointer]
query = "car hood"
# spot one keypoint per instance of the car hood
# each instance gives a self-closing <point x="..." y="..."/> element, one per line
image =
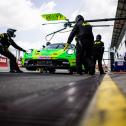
<point x="51" y="52"/>
<point x="48" y="53"/>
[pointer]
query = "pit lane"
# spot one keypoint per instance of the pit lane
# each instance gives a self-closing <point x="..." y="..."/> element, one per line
<point x="34" y="98"/>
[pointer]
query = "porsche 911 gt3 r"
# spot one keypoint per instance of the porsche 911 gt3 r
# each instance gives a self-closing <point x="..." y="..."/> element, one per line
<point x="51" y="58"/>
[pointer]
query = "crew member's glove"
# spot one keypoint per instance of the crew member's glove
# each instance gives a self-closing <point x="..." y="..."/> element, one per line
<point x="66" y="46"/>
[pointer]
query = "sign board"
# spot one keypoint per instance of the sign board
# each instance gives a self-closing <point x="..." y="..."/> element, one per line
<point x="120" y="63"/>
<point x="3" y="62"/>
<point x="53" y="17"/>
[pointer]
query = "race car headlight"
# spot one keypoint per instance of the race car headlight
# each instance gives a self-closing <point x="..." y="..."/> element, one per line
<point x="70" y="51"/>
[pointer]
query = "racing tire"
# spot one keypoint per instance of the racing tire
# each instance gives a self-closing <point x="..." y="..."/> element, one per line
<point x="31" y="68"/>
<point x="52" y="70"/>
<point x="71" y="71"/>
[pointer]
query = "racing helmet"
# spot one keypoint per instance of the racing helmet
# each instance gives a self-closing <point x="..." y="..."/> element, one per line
<point x="78" y="18"/>
<point x="98" y="37"/>
<point x="10" y="32"/>
<point x="48" y="43"/>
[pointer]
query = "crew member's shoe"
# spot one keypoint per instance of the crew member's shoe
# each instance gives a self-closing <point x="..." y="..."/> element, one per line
<point x="86" y="71"/>
<point x="102" y="73"/>
<point x="91" y="73"/>
<point x="12" y="71"/>
<point x="19" y="71"/>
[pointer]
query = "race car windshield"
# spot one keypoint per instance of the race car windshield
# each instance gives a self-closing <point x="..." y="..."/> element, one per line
<point x="59" y="46"/>
<point x="55" y="46"/>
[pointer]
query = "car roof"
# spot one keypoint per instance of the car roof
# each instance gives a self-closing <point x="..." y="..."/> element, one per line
<point x="61" y="43"/>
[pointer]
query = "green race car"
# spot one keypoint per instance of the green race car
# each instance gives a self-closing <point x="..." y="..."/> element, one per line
<point x="50" y="58"/>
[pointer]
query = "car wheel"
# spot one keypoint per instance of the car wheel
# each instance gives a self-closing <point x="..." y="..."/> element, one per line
<point x="71" y="71"/>
<point x="31" y="68"/>
<point x="52" y="70"/>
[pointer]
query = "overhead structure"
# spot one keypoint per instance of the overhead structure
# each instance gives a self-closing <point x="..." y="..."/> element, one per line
<point x="119" y="21"/>
<point x="54" y="17"/>
<point x="119" y="25"/>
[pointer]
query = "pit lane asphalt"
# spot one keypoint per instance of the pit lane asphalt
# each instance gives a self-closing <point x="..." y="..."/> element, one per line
<point x="120" y="80"/>
<point x="43" y="99"/>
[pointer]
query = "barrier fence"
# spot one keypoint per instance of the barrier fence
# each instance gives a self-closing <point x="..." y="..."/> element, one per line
<point x="3" y="61"/>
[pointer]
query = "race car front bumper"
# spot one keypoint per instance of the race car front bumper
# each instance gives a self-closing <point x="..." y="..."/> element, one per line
<point x="57" y="63"/>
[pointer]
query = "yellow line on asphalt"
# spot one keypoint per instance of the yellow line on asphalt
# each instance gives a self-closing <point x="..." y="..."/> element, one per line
<point x="108" y="107"/>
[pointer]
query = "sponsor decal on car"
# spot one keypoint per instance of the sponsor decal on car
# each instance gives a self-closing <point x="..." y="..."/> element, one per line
<point x="44" y="57"/>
